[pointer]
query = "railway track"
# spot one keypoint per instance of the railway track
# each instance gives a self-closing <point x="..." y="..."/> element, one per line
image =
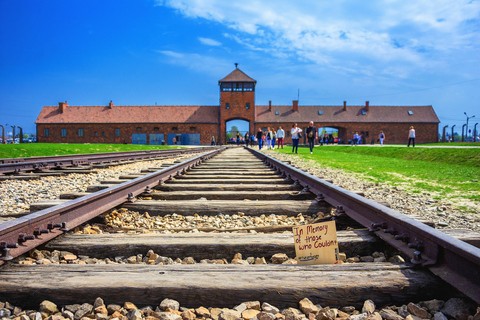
<point x="35" y="167"/>
<point x="208" y="210"/>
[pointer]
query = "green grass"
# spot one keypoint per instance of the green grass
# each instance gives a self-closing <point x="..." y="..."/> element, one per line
<point x="453" y="144"/>
<point x="55" y="149"/>
<point x="448" y="173"/>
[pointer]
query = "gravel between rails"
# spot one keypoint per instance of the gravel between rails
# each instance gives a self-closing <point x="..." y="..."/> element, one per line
<point x="16" y="195"/>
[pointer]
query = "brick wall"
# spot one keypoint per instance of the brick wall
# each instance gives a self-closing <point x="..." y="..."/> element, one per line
<point x="106" y="132"/>
<point x="394" y="132"/>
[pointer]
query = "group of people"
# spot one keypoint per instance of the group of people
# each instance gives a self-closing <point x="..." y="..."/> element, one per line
<point x="270" y="137"/>
<point x="357" y="138"/>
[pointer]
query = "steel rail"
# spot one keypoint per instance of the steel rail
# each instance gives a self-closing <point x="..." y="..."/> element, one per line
<point x="456" y="262"/>
<point x="38" y="163"/>
<point x="23" y="234"/>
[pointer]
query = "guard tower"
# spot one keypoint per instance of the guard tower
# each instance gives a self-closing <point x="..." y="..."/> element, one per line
<point x="237" y="100"/>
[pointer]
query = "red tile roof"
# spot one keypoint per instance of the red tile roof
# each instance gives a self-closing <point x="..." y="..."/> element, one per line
<point x="129" y="114"/>
<point x="420" y="114"/>
<point x="237" y="75"/>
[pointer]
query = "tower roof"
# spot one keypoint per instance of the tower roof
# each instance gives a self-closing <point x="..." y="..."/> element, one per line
<point x="237" y="75"/>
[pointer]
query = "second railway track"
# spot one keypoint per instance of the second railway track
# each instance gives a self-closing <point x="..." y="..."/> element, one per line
<point x="235" y="202"/>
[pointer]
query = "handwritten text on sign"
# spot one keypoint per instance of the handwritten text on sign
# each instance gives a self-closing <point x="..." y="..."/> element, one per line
<point x="316" y="243"/>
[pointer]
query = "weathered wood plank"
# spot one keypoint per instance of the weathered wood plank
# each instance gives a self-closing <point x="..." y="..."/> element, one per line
<point x="231" y="195"/>
<point x="186" y="180"/>
<point x="232" y="176"/>
<point x="219" y="285"/>
<point x="204" y="245"/>
<point x="232" y="172"/>
<point x="224" y="187"/>
<point x="214" y="207"/>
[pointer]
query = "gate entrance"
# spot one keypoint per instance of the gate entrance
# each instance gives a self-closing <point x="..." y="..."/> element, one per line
<point x="327" y="135"/>
<point x="237" y="126"/>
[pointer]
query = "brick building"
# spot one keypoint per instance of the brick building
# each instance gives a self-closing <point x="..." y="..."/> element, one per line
<point x="197" y="124"/>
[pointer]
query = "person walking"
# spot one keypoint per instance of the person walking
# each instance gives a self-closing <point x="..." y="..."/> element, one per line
<point x="280" y="136"/>
<point x="296" y="135"/>
<point x="260" y="139"/>
<point x="411" y="136"/>
<point x="381" y="137"/>
<point x="269" y="138"/>
<point x="311" y="133"/>
<point x="247" y="138"/>
<point x="355" y="139"/>
<point x="274" y="137"/>
<point x="213" y="141"/>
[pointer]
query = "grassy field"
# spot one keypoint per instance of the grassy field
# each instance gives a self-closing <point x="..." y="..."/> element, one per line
<point x="57" y="149"/>
<point x="446" y="173"/>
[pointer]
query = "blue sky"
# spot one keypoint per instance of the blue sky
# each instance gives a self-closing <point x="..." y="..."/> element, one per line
<point x="173" y="52"/>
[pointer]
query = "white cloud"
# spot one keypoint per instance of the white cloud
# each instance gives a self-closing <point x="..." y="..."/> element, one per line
<point x="209" y="42"/>
<point x="346" y="33"/>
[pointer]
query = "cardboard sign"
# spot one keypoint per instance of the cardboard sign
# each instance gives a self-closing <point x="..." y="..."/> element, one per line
<point x="316" y="243"/>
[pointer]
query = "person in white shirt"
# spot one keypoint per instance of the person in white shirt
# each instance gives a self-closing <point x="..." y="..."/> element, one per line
<point x="411" y="136"/>
<point x="295" y="137"/>
<point x="280" y="136"/>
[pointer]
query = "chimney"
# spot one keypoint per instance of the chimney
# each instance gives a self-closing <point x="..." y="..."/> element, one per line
<point x="344" y="105"/>
<point x="62" y="106"/>
<point x="367" y="106"/>
<point x="270" y="105"/>
<point x="295" y="105"/>
<point x="110" y="104"/>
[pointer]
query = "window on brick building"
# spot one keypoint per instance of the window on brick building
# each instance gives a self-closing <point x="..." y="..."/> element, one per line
<point x="174" y="128"/>
<point x="364" y="112"/>
<point x="139" y="128"/>
<point x="95" y="133"/>
<point x="80" y="132"/>
<point x="64" y="132"/>
<point x="117" y="132"/>
<point x="277" y="112"/>
<point x="227" y="105"/>
<point x="156" y="128"/>
<point x="410" y="112"/>
<point x="320" y="112"/>
<point x="237" y="86"/>
<point x="247" y="106"/>
<point x="103" y="134"/>
<point x="193" y="128"/>
<point x="248" y="87"/>
<point x="226" y="87"/>
<point x="46" y="132"/>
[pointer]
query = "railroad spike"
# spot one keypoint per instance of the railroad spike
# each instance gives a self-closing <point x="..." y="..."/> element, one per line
<point x="131" y="198"/>
<point x="39" y="231"/>
<point x="52" y="225"/>
<point x="6" y="255"/>
<point x="377" y="226"/>
<point x="305" y="190"/>
<point x="418" y="245"/>
<point x="340" y="212"/>
<point x="403" y="237"/>
<point x="23" y="237"/>
<point x="320" y="197"/>
<point x="392" y="231"/>
<point x="297" y="183"/>
<point x="417" y="258"/>
<point x="64" y="227"/>
<point x="148" y="189"/>
<point x="4" y="245"/>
